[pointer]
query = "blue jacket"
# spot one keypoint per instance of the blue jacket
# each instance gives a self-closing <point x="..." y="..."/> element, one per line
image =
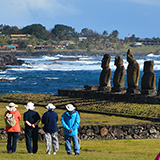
<point x="70" y="121"/>
<point x="49" y="119"/>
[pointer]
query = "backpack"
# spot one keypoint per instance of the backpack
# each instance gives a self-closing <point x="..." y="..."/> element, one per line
<point x="10" y="120"/>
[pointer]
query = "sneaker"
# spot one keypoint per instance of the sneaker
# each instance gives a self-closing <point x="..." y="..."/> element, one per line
<point x="69" y="153"/>
<point x="77" y="154"/>
<point x="54" y="153"/>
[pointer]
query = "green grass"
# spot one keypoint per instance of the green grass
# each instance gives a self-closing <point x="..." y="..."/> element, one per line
<point x="86" y="118"/>
<point x="96" y="105"/>
<point x="92" y="150"/>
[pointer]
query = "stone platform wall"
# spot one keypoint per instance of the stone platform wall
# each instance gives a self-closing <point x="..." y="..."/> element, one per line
<point x="113" y="96"/>
<point x="144" y="131"/>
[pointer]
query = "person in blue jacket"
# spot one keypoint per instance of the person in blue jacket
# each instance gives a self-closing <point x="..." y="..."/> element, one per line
<point x="70" y="122"/>
<point x="49" y="119"/>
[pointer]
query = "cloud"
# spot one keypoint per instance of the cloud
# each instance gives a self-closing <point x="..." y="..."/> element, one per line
<point x="26" y="11"/>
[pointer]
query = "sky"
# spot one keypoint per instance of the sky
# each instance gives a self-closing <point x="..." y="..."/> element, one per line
<point x="128" y="17"/>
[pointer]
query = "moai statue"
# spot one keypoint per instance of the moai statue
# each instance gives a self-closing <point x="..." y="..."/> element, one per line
<point x="105" y="75"/>
<point x="119" y="74"/>
<point x="133" y="73"/>
<point x="148" y="81"/>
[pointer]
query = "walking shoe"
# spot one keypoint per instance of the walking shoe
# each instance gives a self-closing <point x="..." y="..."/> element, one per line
<point x="77" y="154"/>
<point x="54" y="153"/>
<point x="69" y="153"/>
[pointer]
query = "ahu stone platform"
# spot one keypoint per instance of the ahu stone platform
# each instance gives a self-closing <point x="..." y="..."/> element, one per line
<point x="93" y="92"/>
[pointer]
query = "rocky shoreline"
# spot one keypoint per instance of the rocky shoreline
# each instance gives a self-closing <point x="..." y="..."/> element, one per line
<point x="66" y="53"/>
<point x="9" y="60"/>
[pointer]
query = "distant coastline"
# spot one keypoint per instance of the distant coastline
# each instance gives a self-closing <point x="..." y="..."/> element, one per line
<point x="66" y="53"/>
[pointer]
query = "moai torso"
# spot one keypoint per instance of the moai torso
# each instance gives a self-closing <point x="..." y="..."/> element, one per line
<point x="133" y="71"/>
<point x="148" y="80"/>
<point x="105" y="75"/>
<point x="119" y="74"/>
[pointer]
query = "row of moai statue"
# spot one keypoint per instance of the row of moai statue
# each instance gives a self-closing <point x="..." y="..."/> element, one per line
<point x="148" y="80"/>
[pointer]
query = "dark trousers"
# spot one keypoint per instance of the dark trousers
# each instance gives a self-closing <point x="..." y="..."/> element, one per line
<point x="12" y="141"/>
<point x="31" y="135"/>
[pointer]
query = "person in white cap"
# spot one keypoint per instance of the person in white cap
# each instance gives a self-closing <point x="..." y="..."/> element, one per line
<point x="12" y="132"/>
<point x="31" y="119"/>
<point x="70" y="122"/>
<point x="49" y="119"/>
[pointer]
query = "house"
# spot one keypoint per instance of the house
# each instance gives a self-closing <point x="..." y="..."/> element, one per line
<point x="137" y="44"/>
<point x="82" y="38"/>
<point x="39" y="47"/>
<point x="20" y="36"/>
<point x="66" y="42"/>
<point x="11" y="47"/>
<point x="59" y="46"/>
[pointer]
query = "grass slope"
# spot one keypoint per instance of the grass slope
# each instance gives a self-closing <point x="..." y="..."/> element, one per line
<point x="92" y="150"/>
<point x="94" y="105"/>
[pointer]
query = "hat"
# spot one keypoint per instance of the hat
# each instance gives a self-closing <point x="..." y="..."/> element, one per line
<point x="70" y="107"/>
<point x="30" y="106"/>
<point x="11" y="106"/>
<point x="50" y="106"/>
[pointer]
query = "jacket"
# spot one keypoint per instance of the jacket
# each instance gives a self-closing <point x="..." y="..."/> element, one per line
<point x="16" y="127"/>
<point x="49" y="119"/>
<point x="70" y="121"/>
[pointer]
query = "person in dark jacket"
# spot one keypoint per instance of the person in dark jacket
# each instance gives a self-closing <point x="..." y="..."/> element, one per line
<point x="49" y="119"/>
<point x="31" y="119"/>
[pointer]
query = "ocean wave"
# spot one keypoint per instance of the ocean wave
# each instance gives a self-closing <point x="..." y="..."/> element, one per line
<point x="8" y="77"/>
<point x="3" y="72"/>
<point x="50" y="78"/>
<point x="152" y="55"/>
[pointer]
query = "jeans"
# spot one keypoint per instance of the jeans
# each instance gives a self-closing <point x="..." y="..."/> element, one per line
<point x="31" y="134"/>
<point x="12" y="146"/>
<point x="75" y="143"/>
<point x="52" y="139"/>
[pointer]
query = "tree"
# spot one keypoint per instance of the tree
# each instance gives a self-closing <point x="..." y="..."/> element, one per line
<point x="113" y="37"/>
<point x="105" y="33"/>
<point x="22" y="44"/>
<point x="6" y="29"/>
<point x="37" y="30"/>
<point x="63" y="32"/>
<point x="89" y="33"/>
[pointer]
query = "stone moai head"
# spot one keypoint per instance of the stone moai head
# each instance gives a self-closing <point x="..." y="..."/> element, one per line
<point x="148" y="66"/>
<point x="118" y="61"/>
<point x="105" y="61"/>
<point x="130" y="56"/>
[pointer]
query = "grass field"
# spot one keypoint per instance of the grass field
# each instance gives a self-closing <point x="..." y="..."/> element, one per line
<point x="86" y="118"/>
<point x="96" y="105"/>
<point x="90" y="149"/>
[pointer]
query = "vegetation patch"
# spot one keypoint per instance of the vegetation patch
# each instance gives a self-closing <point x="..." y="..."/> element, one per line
<point x="105" y="107"/>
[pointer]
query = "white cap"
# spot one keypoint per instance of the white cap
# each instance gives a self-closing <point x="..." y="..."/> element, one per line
<point x="50" y="106"/>
<point x="70" y="107"/>
<point x="30" y="106"/>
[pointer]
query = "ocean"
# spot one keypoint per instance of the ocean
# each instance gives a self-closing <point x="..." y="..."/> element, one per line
<point x="48" y="74"/>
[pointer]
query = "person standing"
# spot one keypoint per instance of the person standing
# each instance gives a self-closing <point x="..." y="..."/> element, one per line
<point x="12" y="131"/>
<point x="49" y="119"/>
<point x="31" y="119"/>
<point x="70" y="122"/>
